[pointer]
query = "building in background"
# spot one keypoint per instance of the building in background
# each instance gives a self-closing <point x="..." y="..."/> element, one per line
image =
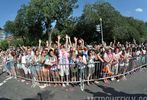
<point x="4" y="35"/>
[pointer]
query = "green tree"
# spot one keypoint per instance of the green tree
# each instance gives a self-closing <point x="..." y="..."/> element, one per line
<point x="9" y="27"/>
<point x="33" y="21"/>
<point x="51" y="10"/>
<point x="115" y="26"/>
<point x="4" y="44"/>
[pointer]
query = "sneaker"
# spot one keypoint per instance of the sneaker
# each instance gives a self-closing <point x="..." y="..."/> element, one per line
<point x="118" y="80"/>
<point x="112" y="79"/>
<point x="82" y="89"/>
<point x="27" y="83"/>
<point x="15" y="77"/>
<point x="42" y="86"/>
<point x="48" y="84"/>
<point x="67" y="83"/>
<point x="96" y="82"/>
<point x="124" y="78"/>
<point x="63" y="85"/>
<point x="45" y="85"/>
<point x="22" y="80"/>
<point x="9" y="77"/>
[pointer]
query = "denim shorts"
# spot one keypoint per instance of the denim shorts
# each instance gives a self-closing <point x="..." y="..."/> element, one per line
<point x="10" y="65"/>
<point x="82" y="73"/>
<point x="19" y="66"/>
<point x="32" y="69"/>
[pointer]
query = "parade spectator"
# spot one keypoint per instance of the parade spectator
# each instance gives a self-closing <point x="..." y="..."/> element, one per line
<point x="54" y="66"/>
<point x="91" y="65"/>
<point x="70" y="62"/>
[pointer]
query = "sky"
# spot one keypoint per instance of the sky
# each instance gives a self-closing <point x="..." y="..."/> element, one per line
<point x="133" y="8"/>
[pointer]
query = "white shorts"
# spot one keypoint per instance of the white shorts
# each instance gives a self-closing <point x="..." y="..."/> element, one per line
<point x="64" y="69"/>
<point x="26" y="70"/>
<point x="115" y="68"/>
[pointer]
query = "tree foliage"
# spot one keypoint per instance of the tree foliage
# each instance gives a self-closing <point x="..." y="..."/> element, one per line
<point x="115" y="26"/>
<point x="4" y="44"/>
<point x="34" y="21"/>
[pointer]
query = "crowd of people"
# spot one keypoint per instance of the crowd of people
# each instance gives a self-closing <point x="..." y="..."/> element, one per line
<point x="56" y="62"/>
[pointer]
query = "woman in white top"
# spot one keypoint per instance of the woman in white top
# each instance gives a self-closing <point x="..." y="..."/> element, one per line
<point x="91" y="65"/>
<point x="115" y="64"/>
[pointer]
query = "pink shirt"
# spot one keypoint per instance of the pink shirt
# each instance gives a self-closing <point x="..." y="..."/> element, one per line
<point x="63" y="57"/>
<point x="108" y="57"/>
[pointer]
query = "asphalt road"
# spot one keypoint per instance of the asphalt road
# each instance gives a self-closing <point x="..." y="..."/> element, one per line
<point x="134" y="86"/>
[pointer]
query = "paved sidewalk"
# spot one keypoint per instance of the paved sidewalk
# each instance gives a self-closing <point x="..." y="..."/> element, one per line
<point x="135" y="85"/>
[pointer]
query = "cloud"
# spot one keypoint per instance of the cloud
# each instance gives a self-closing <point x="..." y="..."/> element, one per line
<point x="139" y="10"/>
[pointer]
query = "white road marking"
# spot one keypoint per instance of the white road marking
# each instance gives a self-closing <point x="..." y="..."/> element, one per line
<point x="2" y="83"/>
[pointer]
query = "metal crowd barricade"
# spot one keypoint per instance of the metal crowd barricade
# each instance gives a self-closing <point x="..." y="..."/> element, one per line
<point x="74" y="72"/>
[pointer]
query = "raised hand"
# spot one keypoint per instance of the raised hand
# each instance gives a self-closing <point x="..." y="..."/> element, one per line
<point x="59" y="37"/>
<point x="82" y="40"/>
<point x="66" y="36"/>
<point x="111" y="43"/>
<point x="39" y="41"/>
<point x="56" y="42"/>
<point x="47" y="44"/>
<point x="75" y="39"/>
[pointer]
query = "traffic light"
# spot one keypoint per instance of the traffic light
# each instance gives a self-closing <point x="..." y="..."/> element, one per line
<point x="98" y="28"/>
